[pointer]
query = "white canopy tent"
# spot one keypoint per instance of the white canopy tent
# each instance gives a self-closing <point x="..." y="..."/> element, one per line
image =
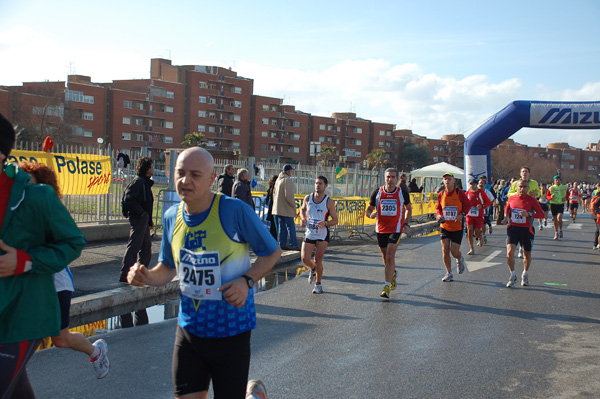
<point x="431" y="176"/>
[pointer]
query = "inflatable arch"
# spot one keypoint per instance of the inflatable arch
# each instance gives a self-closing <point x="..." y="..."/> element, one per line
<point x="519" y="114"/>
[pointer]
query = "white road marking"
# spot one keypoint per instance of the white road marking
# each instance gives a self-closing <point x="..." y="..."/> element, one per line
<point x="474" y="266"/>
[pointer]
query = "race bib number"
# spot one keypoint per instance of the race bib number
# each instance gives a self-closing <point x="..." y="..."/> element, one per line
<point x="389" y="207"/>
<point x="574" y="198"/>
<point x="450" y="212"/>
<point x="516" y="217"/>
<point x="474" y="211"/>
<point x="200" y="275"/>
<point x="312" y="226"/>
<point x="543" y="200"/>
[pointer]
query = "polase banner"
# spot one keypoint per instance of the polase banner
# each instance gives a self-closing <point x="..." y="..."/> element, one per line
<point x="78" y="174"/>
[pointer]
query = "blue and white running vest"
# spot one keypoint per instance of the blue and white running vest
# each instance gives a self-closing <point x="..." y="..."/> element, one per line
<point x="316" y="213"/>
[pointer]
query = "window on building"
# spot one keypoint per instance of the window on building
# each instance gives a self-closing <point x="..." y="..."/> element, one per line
<point x="265" y="121"/>
<point x="358" y="142"/>
<point x="211" y="129"/>
<point x="126" y="136"/>
<point x="168" y="139"/>
<point x="295" y="137"/>
<point x="88" y="116"/>
<point x="357" y="130"/>
<point x="330" y="127"/>
<point x="201" y="114"/>
<point x="265" y="107"/>
<point x="237" y="90"/>
<point x="126" y="120"/>
<point x="237" y="104"/>
<point x="296" y="124"/>
<point x="321" y="139"/>
<point x="88" y="133"/>
<point x="236" y="131"/>
<point x="51" y="110"/>
<point x="169" y="124"/>
<point x="169" y="109"/>
<point x="273" y="148"/>
<point x="127" y="104"/>
<point x="212" y="115"/>
<point x="139" y="137"/>
<point x="274" y="122"/>
<point x="170" y="94"/>
<point x="382" y="132"/>
<point x="202" y="85"/>
<point x="322" y="127"/>
<point x="139" y="106"/>
<point x="263" y="147"/>
<point x="264" y="134"/>
<point x="202" y="99"/>
<point x="237" y="118"/>
<point x="235" y="144"/>
<point x="139" y="122"/>
<point x="212" y="100"/>
<point x="78" y="96"/>
<point x="381" y="144"/>
<point x="201" y="128"/>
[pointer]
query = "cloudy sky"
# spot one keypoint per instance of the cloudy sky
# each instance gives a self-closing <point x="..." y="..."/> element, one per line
<point x="436" y="67"/>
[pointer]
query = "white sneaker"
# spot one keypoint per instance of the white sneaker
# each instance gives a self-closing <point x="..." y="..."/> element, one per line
<point x="524" y="279"/>
<point x="460" y="265"/>
<point x="448" y="277"/>
<point x="100" y="362"/>
<point x="256" y="390"/>
<point x="318" y="289"/>
<point x="596" y="246"/>
<point x="512" y="281"/>
<point x="312" y="276"/>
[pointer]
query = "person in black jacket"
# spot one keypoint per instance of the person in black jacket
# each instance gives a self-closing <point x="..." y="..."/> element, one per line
<point x="138" y="201"/>
<point x="413" y="187"/>
<point x="269" y="203"/>
<point x="225" y="180"/>
<point x="241" y="188"/>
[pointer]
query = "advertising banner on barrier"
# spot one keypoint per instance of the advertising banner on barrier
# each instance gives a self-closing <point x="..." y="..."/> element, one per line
<point x="78" y="174"/>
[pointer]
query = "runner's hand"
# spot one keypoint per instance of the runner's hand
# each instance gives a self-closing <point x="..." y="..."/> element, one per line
<point x="138" y="275"/>
<point x="8" y="261"/>
<point x="235" y="292"/>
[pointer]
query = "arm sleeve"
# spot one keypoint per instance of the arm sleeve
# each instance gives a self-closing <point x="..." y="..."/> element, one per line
<point x="539" y="213"/>
<point x="63" y="239"/>
<point x="242" y="220"/>
<point x="373" y="198"/>
<point x="406" y="197"/>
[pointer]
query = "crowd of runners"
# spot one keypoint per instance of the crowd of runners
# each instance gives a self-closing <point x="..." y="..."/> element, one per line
<point x="206" y="242"/>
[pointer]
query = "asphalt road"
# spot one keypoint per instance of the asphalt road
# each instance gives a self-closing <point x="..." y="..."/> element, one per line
<point x="472" y="338"/>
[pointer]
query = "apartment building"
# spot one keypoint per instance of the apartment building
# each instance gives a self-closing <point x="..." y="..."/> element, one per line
<point x="217" y="103"/>
<point x="146" y="116"/>
<point x="383" y="138"/>
<point x="278" y="131"/>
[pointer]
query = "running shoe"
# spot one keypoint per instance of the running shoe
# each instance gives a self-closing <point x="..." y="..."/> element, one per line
<point x="312" y="276"/>
<point x="556" y="236"/>
<point x="318" y="289"/>
<point x="256" y="389"/>
<point x="460" y="265"/>
<point x="596" y="246"/>
<point x="512" y="281"/>
<point x="524" y="279"/>
<point x="541" y="227"/>
<point x="448" y="277"/>
<point x="560" y="234"/>
<point x="393" y="285"/>
<point x="100" y="362"/>
<point x="470" y="252"/>
<point x="545" y="222"/>
<point x="490" y="229"/>
<point x="386" y="292"/>
<point x="520" y="252"/>
<point x="484" y="239"/>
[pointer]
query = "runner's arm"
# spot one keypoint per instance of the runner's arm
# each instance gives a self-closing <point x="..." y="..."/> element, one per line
<point x="303" y="210"/>
<point x="139" y="275"/>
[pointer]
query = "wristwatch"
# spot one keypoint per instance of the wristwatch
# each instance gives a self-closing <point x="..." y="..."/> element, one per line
<point x="249" y="280"/>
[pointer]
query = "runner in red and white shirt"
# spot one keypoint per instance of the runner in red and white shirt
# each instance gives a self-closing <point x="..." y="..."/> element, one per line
<point x="520" y="210"/>
<point x="574" y="196"/>
<point x="475" y="214"/>
<point x="391" y="206"/>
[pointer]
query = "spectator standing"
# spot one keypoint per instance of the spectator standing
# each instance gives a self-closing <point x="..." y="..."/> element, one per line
<point x="225" y="180"/>
<point x="269" y="203"/>
<point x="241" y="188"/>
<point x="403" y="186"/>
<point x="413" y="187"/>
<point x="284" y="208"/>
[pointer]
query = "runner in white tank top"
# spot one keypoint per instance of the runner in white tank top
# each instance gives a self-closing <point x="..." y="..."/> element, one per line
<point x="316" y="209"/>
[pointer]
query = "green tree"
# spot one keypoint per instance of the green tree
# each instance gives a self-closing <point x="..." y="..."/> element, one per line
<point x="377" y="159"/>
<point x="194" y="140"/>
<point x="327" y="152"/>
<point x="414" y="156"/>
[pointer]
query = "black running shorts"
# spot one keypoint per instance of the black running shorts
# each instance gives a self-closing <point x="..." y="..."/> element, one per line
<point x="197" y="361"/>
<point x="454" y="236"/>
<point x="520" y="235"/>
<point x="557" y="208"/>
<point x="384" y="239"/>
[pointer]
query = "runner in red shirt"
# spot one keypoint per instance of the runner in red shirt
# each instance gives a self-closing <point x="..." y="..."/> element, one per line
<point x="475" y="215"/>
<point x="574" y="196"/>
<point x="520" y="210"/>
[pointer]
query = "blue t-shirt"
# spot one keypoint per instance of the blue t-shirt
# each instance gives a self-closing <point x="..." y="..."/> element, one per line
<point x="241" y="225"/>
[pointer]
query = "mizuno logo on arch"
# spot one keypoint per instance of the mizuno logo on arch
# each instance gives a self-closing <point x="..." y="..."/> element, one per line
<point x="585" y="117"/>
